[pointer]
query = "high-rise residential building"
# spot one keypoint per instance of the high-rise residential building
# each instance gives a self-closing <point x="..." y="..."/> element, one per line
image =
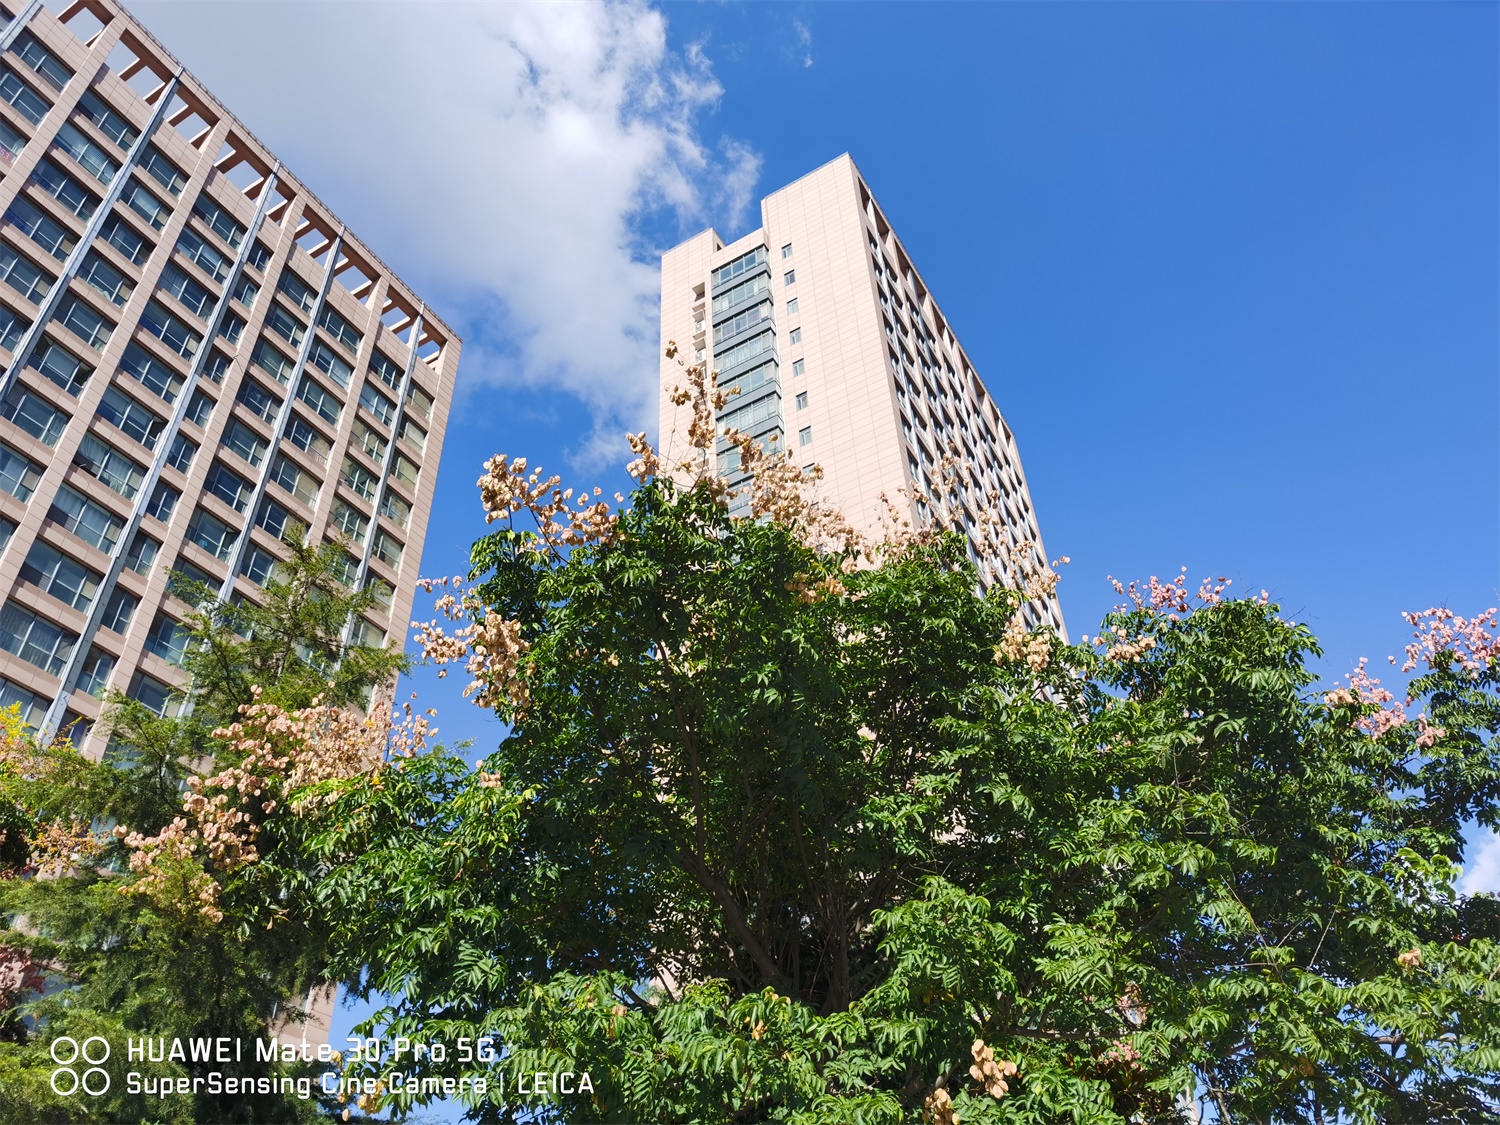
<point x="832" y="347"/>
<point x="198" y="359"/>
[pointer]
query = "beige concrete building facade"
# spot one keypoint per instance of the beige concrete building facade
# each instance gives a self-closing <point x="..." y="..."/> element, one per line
<point x="198" y="359"/>
<point x="833" y="348"/>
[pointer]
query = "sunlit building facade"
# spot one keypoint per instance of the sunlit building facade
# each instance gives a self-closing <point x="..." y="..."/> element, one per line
<point x="198" y="360"/>
<point x="831" y="346"/>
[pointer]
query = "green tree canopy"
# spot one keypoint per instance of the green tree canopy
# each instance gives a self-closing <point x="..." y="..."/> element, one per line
<point x="193" y="943"/>
<point x="790" y="830"/>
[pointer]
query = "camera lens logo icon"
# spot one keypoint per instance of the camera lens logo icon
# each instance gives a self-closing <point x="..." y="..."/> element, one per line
<point x="71" y="1056"/>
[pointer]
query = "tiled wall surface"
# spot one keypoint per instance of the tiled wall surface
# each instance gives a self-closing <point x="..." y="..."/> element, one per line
<point x="874" y="387"/>
<point x="197" y="358"/>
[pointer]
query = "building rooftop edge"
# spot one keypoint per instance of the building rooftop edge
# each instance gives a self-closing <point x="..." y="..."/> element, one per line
<point x="207" y="91"/>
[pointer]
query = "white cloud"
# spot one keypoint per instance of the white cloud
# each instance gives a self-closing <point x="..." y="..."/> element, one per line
<point x="804" y="41"/>
<point x="1482" y="871"/>
<point x="504" y="155"/>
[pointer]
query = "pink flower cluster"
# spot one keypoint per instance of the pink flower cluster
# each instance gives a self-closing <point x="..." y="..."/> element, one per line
<point x="1364" y="690"/>
<point x="1172" y="596"/>
<point x="1469" y="641"/>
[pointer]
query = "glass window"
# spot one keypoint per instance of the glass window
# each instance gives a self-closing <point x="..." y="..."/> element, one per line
<point x="23" y="275"/>
<point x="192" y="296"/>
<point x="199" y="408"/>
<point x="74" y="197"/>
<point x="261" y="402"/>
<point x="119" y="234"/>
<point x="12" y="327"/>
<point x="393" y="508"/>
<point x="113" y="285"/>
<point x="180" y="456"/>
<point x="162" y="170"/>
<point x="211" y="533"/>
<point x="41" y="228"/>
<point x="412" y="435"/>
<point x="216" y="366"/>
<point x="745" y="291"/>
<point x="386" y="370"/>
<point x="85" y="322"/>
<point x="323" y="358"/>
<point x="789" y="278"/>
<point x="196" y="250"/>
<point x="794" y="336"/>
<point x="290" y="476"/>
<point x="259" y="565"/>
<point x="285" y="325"/>
<point x="802" y="401"/>
<point x="786" y="251"/>
<point x="245" y="292"/>
<point x="348" y="567"/>
<point x="190" y="582"/>
<point x="368" y="441"/>
<point x="35" y="639"/>
<point x="90" y="156"/>
<point x="339" y="328"/>
<point x="303" y="295"/>
<point x="156" y="375"/>
<point x="272" y="362"/>
<point x="43" y="61"/>
<point x="34" y="415"/>
<point x="382" y="590"/>
<point x="220" y="221"/>
<point x="106" y="120"/>
<point x="377" y="404"/>
<point x="348" y="521"/>
<point x="142" y="553"/>
<point x="228" y="486"/>
<point x="244" y="441"/>
<point x="359" y="480"/>
<point x="275" y="519"/>
<point x="18" y="476"/>
<point x="231" y="327"/>
<point x="163" y="500"/>
<point x="320" y="399"/>
<point x="406" y="471"/>
<point x="741" y="265"/>
<point x="12" y="140"/>
<point x="743" y="322"/>
<point x="146" y="205"/>
<point x="368" y="634"/>
<point x="50" y="570"/>
<point x="26" y="101"/>
<point x="260" y="256"/>
<point x="387" y="549"/>
<point x="748" y="350"/>
<point x="791" y="306"/>
<point x="306" y="438"/>
<point x="171" y="330"/>
<point x="118" y="610"/>
<point x="419" y="401"/>
<point x="168" y="640"/>
<point x="96" y="526"/>
<point x="153" y="693"/>
<point x="93" y="677"/>
<point x="804" y="436"/>
<point x="130" y="417"/>
<point x="7" y="529"/>
<point x="109" y="465"/>
<point x="798" y="366"/>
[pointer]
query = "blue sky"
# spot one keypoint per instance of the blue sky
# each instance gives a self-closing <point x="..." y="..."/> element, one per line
<point x="1229" y="270"/>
